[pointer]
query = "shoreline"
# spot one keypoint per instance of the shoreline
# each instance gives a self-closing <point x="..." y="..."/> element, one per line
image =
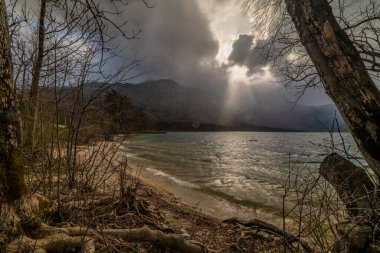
<point x="184" y="211"/>
<point x="192" y="197"/>
<point x="195" y="224"/>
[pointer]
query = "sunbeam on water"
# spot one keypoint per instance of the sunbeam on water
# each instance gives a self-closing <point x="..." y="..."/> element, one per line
<point x="244" y="168"/>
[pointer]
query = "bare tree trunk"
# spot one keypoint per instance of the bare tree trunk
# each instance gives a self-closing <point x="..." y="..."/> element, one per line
<point x="343" y="73"/>
<point x="352" y="184"/>
<point x="37" y="71"/>
<point x="11" y="169"/>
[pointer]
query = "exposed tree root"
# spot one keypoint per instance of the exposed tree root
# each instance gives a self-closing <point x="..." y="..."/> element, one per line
<point x="270" y="229"/>
<point x="40" y="237"/>
<point x="88" y="203"/>
<point x="57" y="242"/>
<point x="112" y="225"/>
<point x="83" y="239"/>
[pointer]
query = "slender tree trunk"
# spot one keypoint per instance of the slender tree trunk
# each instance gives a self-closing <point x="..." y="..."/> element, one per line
<point x="343" y="73"/>
<point x="37" y="71"/>
<point x="11" y="168"/>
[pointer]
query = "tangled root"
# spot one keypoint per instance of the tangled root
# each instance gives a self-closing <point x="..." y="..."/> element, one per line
<point x="82" y="239"/>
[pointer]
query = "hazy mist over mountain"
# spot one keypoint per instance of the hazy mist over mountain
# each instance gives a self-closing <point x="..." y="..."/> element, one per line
<point x="166" y="100"/>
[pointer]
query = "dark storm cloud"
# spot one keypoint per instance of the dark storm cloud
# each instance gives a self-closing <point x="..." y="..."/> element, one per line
<point x="243" y="54"/>
<point x="176" y="42"/>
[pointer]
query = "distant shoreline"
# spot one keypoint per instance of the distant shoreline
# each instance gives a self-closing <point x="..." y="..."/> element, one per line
<point x="215" y="131"/>
<point x="186" y="126"/>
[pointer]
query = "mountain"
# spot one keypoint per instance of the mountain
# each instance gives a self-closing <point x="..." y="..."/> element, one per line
<point x="168" y="102"/>
<point x="309" y="118"/>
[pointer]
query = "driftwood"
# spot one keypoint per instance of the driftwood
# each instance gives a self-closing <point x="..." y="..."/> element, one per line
<point x="270" y="229"/>
<point x="351" y="182"/>
<point x="82" y="238"/>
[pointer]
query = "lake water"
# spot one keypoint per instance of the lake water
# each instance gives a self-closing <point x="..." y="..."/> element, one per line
<point x="243" y="168"/>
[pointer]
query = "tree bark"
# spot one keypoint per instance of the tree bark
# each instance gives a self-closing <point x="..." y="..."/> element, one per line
<point x="11" y="169"/>
<point x="37" y="70"/>
<point x="352" y="184"/>
<point x="343" y="73"/>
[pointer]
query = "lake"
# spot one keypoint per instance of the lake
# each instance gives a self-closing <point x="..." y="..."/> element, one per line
<point x="247" y="169"/>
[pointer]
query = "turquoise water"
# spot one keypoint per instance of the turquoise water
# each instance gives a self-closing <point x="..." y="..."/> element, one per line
<point x="245" y="168"/>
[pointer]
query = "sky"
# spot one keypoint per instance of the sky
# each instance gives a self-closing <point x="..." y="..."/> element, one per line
<point x="204" y="44"/>
<point x="207" y="45"/>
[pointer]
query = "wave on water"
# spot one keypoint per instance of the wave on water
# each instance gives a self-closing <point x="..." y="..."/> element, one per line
<point x="126" y="154"/>
<point x="229" y="166"/>
<point x="174" y="179"/>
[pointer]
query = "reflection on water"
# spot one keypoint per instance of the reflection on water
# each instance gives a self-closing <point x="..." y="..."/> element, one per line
<point x="247" y="168"/>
